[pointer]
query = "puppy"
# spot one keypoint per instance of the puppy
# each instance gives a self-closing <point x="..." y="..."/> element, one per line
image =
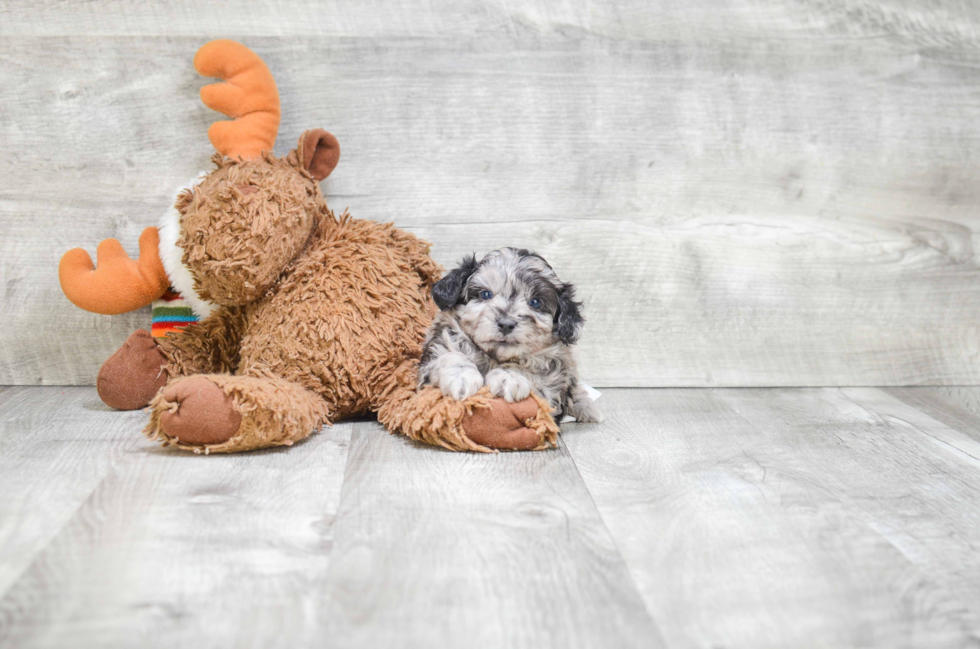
<point x="509" y="323"/>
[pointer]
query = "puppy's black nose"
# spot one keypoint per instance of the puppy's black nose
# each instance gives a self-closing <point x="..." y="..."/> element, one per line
<point x="506" y="325"/>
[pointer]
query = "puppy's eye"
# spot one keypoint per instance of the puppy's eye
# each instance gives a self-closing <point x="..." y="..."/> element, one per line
<point x="534" y="303"/>
<point x="486" y="295"/>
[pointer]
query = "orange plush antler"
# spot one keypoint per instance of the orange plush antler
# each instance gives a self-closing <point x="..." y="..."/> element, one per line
<point x="248" y="95"/>
<point x="119" y="284"/>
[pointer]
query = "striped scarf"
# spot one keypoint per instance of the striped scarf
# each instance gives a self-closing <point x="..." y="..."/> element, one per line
<point x="170" y="313"/>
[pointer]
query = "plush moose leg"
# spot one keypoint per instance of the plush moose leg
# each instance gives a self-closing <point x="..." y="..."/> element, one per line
<point x="129" y="378"/>
<point x="220" y="413"/>
<point x="480" y="423"/>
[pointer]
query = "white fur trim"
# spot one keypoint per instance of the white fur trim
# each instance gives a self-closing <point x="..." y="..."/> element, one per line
<point x="172" y="256"/>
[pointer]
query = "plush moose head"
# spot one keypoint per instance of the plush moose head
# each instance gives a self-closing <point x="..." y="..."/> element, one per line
<point x="231" y="234"/>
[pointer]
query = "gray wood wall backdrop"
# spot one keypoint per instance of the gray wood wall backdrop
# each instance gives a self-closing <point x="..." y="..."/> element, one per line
<point x="747" y="193"/>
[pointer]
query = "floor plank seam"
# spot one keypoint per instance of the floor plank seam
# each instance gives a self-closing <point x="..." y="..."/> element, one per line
<point x="619" y="552"/>
<point x="955" y="450"/>
<point x="67" y="523"/>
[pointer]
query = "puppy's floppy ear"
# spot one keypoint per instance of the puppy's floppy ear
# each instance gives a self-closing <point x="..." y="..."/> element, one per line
<point x="568" y="315"/>
<point x="448" y="290"/>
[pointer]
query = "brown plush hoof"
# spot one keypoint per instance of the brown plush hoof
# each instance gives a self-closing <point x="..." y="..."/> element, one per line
<point x="204" y="414"/>
<point x="502" y="425"/>
<point x="132" y="376"/>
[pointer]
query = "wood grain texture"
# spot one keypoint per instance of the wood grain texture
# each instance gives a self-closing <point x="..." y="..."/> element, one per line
<point x="691" y="518"/>
<point x="939" y="22"/>
<point x="427" y="549"/>
<point x="56" y="446"/>
<point x="964" y="396"/>
<point x="440" y="549"/>
<point x="956" y="406"/>
<point x="746" y="194"/>
<point x="775" y="518"/>
<point x="169" y="549"/>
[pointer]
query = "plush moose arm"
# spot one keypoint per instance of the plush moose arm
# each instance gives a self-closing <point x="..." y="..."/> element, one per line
<point x="206" y="347"/>
<point x="478" y="423"/>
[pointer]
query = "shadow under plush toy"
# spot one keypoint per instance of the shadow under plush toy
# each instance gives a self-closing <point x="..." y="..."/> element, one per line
<point x="304" y="318"/>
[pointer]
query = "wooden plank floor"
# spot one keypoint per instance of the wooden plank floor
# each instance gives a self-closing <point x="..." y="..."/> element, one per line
<point x="691" y="518"/>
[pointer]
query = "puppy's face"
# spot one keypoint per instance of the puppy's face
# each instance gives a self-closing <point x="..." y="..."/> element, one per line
<point x="510" y="304"/>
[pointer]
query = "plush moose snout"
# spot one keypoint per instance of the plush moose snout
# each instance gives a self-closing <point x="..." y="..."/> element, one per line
<point x="242" y="226"/>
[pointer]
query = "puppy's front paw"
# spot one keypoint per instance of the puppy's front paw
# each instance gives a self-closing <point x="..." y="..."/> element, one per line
<point x="509" y="385"/>
<point x="461" y="383"/>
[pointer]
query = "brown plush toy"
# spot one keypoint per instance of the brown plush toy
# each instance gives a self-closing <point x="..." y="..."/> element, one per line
<point x="305" y="317"/>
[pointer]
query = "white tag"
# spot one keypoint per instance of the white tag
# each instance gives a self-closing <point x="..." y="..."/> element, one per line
<point x="593" y="394"/>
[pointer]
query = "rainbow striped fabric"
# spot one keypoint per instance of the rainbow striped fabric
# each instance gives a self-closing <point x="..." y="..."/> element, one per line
<point x="170" y="313"/>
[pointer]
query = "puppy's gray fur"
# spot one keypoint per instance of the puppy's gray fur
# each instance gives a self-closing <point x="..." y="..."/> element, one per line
<point x="509" y="323"/>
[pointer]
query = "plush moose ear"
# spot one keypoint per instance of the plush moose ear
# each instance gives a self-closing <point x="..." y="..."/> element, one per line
<point x="447" y="292"/>
<point x="318" y="151"/>
<point x="568" y="315"/>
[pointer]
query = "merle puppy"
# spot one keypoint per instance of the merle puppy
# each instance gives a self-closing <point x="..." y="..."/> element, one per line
<point x="509" y="323"/>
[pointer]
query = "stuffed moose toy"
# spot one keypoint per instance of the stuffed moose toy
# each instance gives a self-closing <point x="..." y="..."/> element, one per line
<point x="302" y="317"/>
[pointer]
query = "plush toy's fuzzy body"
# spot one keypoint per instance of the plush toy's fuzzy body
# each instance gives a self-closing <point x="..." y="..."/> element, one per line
<point x="317" y="344"/>
<point x="305" y="318"/>
<point x="339" y="336"/>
